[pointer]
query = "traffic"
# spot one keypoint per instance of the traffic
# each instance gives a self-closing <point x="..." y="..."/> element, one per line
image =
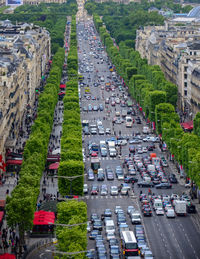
<point x="136" y="206"/>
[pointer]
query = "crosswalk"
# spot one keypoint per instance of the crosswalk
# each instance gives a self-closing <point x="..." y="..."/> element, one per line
<point x="96" y="197"/>
<point x="104" y="158"/>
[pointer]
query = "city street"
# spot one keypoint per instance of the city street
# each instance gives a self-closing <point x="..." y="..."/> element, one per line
<point x="167" y="238"/>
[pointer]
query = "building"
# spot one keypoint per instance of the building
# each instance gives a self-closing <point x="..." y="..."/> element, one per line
<point x="36" y="2"/>
<point x="24" y="52"/>
<point x="172" y="47"/>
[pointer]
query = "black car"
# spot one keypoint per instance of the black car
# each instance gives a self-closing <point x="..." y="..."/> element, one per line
<point x="190" y="208"/>
<point x="129" y="179"/>
<point x="173" y="179"/>
<point x="145" y="184"/>
<point x="164" y="186"/>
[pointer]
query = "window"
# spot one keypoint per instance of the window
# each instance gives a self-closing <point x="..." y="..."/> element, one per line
<point x="185" y="92"/>
<point x="190" y="52"/>
<point x="185" y="84"/>
<point x="195" y="53"/>
<point x="185" y="76"/>
<point x="185" y="69"/>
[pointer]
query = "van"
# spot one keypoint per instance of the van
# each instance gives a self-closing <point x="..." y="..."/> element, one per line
<point x="129" y="122"/>
<point x="157" y="204"/>
<point x="170" y="213"/>
<point x="110" y="226"/>
<point x="136" y="218"/>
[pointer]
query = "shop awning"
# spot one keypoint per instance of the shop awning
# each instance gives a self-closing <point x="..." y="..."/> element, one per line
<point x="43" y="218"/>
<point x="54" y="166"/>
<point x="2" y="203"/>
<point x="7" y="256"/>
<point x="1" y="215"/>
<point x="62" y="86"/>
<point x="187" y="125"/>
<point x="14" y="162"/>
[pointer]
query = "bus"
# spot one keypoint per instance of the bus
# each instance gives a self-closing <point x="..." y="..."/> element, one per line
<point x="129" y="244"/>
<point x="95" y="164"/>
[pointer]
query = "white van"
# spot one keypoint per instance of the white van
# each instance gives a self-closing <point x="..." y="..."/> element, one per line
<point x="136" y="218"/>
<point x="157" y="204"/>
<point x="170" y="213"/>
<point x="110" y="226"/>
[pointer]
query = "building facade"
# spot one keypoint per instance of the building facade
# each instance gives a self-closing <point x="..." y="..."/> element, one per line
<point x="24" y="52"/>
<point x="172" y="47"/>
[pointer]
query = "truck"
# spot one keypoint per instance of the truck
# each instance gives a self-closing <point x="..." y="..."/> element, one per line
<point x="110" y="226"/>
<point x="180" y="207"/>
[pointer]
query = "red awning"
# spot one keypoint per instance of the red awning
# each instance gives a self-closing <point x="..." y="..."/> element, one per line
<point x="187" y="125"/>
<point x="62" y="86"/>
<point x="54" y="166"/>
<point x="7" y="256"/>
<point x="43" y="218"/>
<point x="14" y="162"/>
<point x="2" y="203"/>
<point x="1" y="215"/>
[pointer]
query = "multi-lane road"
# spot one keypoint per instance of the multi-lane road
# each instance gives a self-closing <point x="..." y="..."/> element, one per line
<point x="167" y="238"/>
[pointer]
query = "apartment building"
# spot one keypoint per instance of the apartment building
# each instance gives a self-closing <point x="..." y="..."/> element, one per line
<point x="172" y="47"/>
<point x="24" y="53"/>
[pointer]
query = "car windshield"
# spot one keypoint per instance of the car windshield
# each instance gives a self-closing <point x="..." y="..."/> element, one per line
<point x="131" y="246"/>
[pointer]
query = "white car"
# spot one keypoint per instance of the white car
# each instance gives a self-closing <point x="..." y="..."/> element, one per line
<point x="85" y="188"/>
<point x="117" y="208"/>
<point x="114" y="190"/>
<point x="144" y="149"/>
<point x="159" y="211"/>
<point x="110" y="235"/>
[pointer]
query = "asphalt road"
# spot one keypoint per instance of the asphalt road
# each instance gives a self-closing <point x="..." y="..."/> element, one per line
<point x="167" y="238"/>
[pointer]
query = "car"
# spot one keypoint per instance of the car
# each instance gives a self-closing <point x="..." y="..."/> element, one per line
<point x="113" y="241"/>
<point x="110" y="176"/>
<point x="114" y="190"/>
<point x="144" y="150"/>
<point x="108" y="131"/>
<point x="91" y="254"/>
<point x="148" y="254"/>
<point x="131" y="149"/>
<point x="97" y="224"/>
<point x="120" y="176"/>
<point x="86" y="130"/>
<point x="110" y="235"/>
<point x="172" y="178"/>
<point x="100" y="176"/>
<point x="104" y="190"/>
<point x="104" y="152"/>
<point x="90" y="107"/>
<point x="88" y="226"/>
<point x="130" y="209"/>
<point x="94" y="154"/>
<point x="85" y="188"/>
<point x="90" y="175"/>
<point x="94" y="233"/>
<point x="107" y="213"/>
<point x="159" y="211"/>
<point x="163" y="186"/>
<point x="101" y="107"/>
<point x="114" y="250"/>
<point x="145" y="184"/>
<point x="94" y="190"/>
<point x="129" y="179"/>
<point x="147" y="211"/>
<point x="117" y="209"/>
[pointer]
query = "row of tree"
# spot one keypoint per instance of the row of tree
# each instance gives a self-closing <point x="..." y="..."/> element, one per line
<point x="157" y="97"/>
<point x="52" y="16"/>
<point x="20" y="207"/>
<point x="71" y="164"/>
<point x="72" y="239"/>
